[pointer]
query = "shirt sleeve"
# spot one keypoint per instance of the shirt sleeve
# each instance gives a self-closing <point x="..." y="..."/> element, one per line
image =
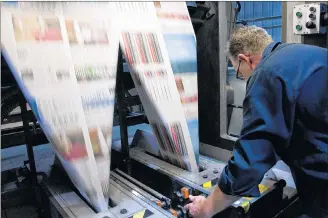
<point x="263" y="127"/>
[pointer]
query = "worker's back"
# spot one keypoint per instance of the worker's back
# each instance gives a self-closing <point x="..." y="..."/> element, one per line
<point x="304" y="71"/>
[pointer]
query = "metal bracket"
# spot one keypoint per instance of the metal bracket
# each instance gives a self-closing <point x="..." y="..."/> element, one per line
<point x="211" y="12"/>
<point x="122" y="113"/>
<point x="27" y="132"/>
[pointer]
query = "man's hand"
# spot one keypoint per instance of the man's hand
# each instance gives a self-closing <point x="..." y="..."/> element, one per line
<point x="202" y="207"/>
<point x="196" y="207"/>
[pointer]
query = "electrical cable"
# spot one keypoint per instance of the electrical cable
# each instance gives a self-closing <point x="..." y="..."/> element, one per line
<point x="237" y="11"/>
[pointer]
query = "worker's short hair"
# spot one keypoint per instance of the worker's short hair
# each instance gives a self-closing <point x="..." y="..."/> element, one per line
<point x="248" y="39"/>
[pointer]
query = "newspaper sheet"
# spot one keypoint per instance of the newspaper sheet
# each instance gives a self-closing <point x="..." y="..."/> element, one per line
<point x="65" y="64"/>
<point x="180" y="42"/>
<point x="155" y="49"/>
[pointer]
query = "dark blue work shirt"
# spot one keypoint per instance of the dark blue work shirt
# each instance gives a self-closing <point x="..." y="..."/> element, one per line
<point x="285" y="116"/>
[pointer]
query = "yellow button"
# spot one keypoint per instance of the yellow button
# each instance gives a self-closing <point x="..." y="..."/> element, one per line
<point x="246" y="205"/>
<point x="140" y="214"/>
<point x="263" y="188"/>
<point x="207" y="184"/>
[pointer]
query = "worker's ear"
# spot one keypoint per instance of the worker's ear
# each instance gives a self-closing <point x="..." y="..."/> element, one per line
<point x="244" y="58"/>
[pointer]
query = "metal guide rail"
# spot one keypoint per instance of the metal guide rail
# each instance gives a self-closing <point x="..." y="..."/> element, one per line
<point x="125" y="201"/>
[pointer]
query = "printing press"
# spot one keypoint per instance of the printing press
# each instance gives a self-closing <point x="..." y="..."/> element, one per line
<point x="142" y="184"/>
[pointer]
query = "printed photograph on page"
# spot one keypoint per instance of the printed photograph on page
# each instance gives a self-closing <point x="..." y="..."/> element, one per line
<point x="36" y="28"/>
<point x="174" y="17"/>
<point x="70" y="144"/>
<point x="41" y="33"/>
<point x="175" y="11"/>
<point x="86" y="33"/>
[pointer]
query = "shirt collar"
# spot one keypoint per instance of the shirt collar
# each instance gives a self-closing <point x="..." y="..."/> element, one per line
<point x="272" y="46"/>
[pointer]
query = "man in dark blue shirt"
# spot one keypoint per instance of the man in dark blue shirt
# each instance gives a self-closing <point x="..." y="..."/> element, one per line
<point x="285" y="117"/>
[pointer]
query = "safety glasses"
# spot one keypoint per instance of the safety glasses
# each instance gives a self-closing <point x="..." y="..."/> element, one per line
<point x="238" y="74"/>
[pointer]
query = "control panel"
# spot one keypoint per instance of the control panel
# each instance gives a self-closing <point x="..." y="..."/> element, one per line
<point x="307" y="19"/>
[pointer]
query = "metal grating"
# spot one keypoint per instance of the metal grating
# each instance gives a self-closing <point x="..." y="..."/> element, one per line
<point x="267" y="15"/>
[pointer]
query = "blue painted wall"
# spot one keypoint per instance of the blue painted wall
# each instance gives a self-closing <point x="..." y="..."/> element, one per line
<point x="264" y="14"/>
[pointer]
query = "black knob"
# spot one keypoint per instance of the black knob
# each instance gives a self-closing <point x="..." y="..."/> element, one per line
<point x="123" y="211"/>
<point x="310" y="25"/>
<point x="312" y="16"/>
<point x="312" y="9"/>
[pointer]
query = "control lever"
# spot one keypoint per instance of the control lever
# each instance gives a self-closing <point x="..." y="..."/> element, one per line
<point x="167" y="203"/>
<point x="164" y="203"/>
<point x="178" y="197"/>
<point x="310" y="25"/>
<point x="182" y="196"/>
<point x="182" y="213"/>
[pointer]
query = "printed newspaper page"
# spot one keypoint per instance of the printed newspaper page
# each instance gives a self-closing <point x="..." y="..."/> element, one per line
<point x="180" y="42"/>
<point x="65" y="64"/>
<point x="144" y="47"/>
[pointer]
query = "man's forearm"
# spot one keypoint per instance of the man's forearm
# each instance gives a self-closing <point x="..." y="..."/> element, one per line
<point x="217" y="201"/>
